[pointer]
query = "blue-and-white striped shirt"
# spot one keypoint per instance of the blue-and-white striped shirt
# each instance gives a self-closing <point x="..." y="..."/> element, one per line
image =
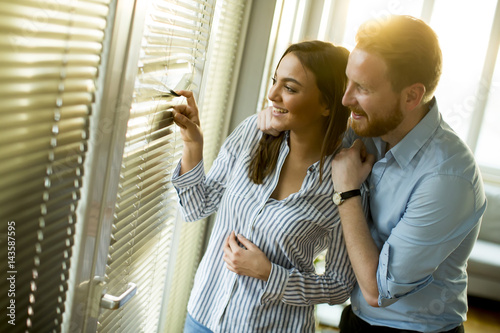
<point x="291" y="232"/>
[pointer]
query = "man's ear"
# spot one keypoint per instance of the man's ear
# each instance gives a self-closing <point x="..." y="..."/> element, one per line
<point x="413" y="95"/>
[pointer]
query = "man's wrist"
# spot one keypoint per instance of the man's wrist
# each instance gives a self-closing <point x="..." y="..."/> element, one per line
<point x="340" y="197"/>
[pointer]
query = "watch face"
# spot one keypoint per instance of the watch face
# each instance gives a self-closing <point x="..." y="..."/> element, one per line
<point x="337" y="199"/>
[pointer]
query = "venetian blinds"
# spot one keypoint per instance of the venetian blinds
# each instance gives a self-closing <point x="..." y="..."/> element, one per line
<point x="49" y="55"/>
<point x="228" y="27"/>
<point x="172" y="56"/>
<point x="221" y="76"/>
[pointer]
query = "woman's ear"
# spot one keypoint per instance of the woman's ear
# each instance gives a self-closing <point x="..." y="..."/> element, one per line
<point x="326" y="112"/>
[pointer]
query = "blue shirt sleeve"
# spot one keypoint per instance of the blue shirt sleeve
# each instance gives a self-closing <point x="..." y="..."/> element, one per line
<point x="441" y="212"/>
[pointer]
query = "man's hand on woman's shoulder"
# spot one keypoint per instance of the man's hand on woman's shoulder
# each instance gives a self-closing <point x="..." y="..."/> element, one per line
<point x="264" y="121"/>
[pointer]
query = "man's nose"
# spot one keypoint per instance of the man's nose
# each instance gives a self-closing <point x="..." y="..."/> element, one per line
<point x="348" y="98"/>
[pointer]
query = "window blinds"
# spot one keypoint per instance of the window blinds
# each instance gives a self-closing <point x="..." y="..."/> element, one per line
<point x="215" y="108"/>
<point x="224" y="58"/>
<point x="49" y="55"/>
<point x="172" y="55"/>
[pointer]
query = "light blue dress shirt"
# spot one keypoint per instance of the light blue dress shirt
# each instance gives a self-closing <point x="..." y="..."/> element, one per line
<point x="426" y="200"/>
<point x="291" y="232"/>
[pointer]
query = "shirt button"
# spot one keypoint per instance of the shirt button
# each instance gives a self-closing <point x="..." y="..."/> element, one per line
<point x="355" y="308"/>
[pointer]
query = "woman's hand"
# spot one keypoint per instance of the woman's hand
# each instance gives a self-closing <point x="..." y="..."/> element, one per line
<point x="187" y="118"/>
<point x="249" y="262"/>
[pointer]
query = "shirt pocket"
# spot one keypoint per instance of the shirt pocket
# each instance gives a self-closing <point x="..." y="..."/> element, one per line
<point x="239" y="182"/>
<point x="309" y="217"/>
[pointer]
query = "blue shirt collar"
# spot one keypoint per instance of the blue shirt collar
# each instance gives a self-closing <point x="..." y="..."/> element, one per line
<point x="408" y="147"/>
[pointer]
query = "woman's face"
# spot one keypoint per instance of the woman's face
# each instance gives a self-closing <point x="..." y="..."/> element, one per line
<point x="296" y="99"/>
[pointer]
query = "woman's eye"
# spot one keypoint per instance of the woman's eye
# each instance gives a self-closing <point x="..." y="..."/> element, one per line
<point x="290" y="89"/>
<point x="273" y="80"/>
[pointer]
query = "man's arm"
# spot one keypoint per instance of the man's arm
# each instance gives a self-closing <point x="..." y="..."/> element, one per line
<point x="439" y="224"/>
<point x="361" y="248"/>
<point x="350" y="168"/>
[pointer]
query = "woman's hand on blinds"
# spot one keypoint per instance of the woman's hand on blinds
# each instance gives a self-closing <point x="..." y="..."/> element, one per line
<point x="186" y="116"/>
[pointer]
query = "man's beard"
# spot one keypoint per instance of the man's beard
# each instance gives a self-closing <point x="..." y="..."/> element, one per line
<point x="377" y="126"/>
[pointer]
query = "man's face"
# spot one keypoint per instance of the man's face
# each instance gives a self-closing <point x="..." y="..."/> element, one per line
<point x="375" y="107"/>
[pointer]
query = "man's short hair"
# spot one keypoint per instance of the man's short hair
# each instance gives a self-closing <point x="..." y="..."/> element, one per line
<point x="409" y="47"/>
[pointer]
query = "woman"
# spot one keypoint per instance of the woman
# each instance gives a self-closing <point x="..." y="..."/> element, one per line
<point x="273" y="201"/>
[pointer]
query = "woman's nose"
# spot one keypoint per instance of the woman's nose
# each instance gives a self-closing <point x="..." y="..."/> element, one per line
<point x="273" y="95"/>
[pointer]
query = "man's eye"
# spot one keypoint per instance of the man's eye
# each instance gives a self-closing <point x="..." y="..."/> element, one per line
<point x="363" y="89"/>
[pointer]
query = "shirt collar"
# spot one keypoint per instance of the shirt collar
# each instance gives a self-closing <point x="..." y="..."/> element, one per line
<point x="407" y="148"/>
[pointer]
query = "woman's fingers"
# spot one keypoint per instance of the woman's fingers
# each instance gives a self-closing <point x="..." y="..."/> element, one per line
<point x="189" y="124"/>
<point x="226" y="248"/>
<point x="233" y="244"/>
<point x="246" y="243"/>
<point x="188" y="112"/>
<point x="189" y="97"/>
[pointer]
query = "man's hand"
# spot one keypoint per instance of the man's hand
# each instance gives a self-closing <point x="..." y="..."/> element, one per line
<point x="264" y="121"/>
<point x="249" y="262"/>
<point x="351" y="167"/>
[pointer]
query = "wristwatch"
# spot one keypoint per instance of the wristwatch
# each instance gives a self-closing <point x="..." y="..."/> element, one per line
<point x="340" y="197"/>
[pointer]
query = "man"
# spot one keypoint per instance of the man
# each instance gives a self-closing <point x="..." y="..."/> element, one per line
<point x="426" y="194"/>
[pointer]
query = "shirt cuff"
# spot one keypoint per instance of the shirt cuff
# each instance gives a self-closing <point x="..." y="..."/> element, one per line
<point x="275" y="285"/>
<point x="389" y="290"/>
<point x="191" y="178"/>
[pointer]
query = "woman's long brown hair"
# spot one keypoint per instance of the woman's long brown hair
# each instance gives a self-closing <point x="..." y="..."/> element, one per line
<point x="328" y="63"/>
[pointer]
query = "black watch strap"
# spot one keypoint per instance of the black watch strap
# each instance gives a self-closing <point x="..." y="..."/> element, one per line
<point x="350" y="194"/>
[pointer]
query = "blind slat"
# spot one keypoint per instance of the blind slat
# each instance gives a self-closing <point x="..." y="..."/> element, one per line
<point x="50" y="132"/>
<point x="32" y="74"/>
<point x="47" y="59"/>
<point x="46" y="86"/>
<point x="51" y="15"/>
<point x="172" y="6"/>
<point x="8" y="120"/>
<point x="82" y="7"/>
<point x="15" y="25"/>
<point x="30" y="44"/>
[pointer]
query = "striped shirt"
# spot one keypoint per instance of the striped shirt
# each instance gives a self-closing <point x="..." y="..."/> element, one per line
<point x="291" y="232"/>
